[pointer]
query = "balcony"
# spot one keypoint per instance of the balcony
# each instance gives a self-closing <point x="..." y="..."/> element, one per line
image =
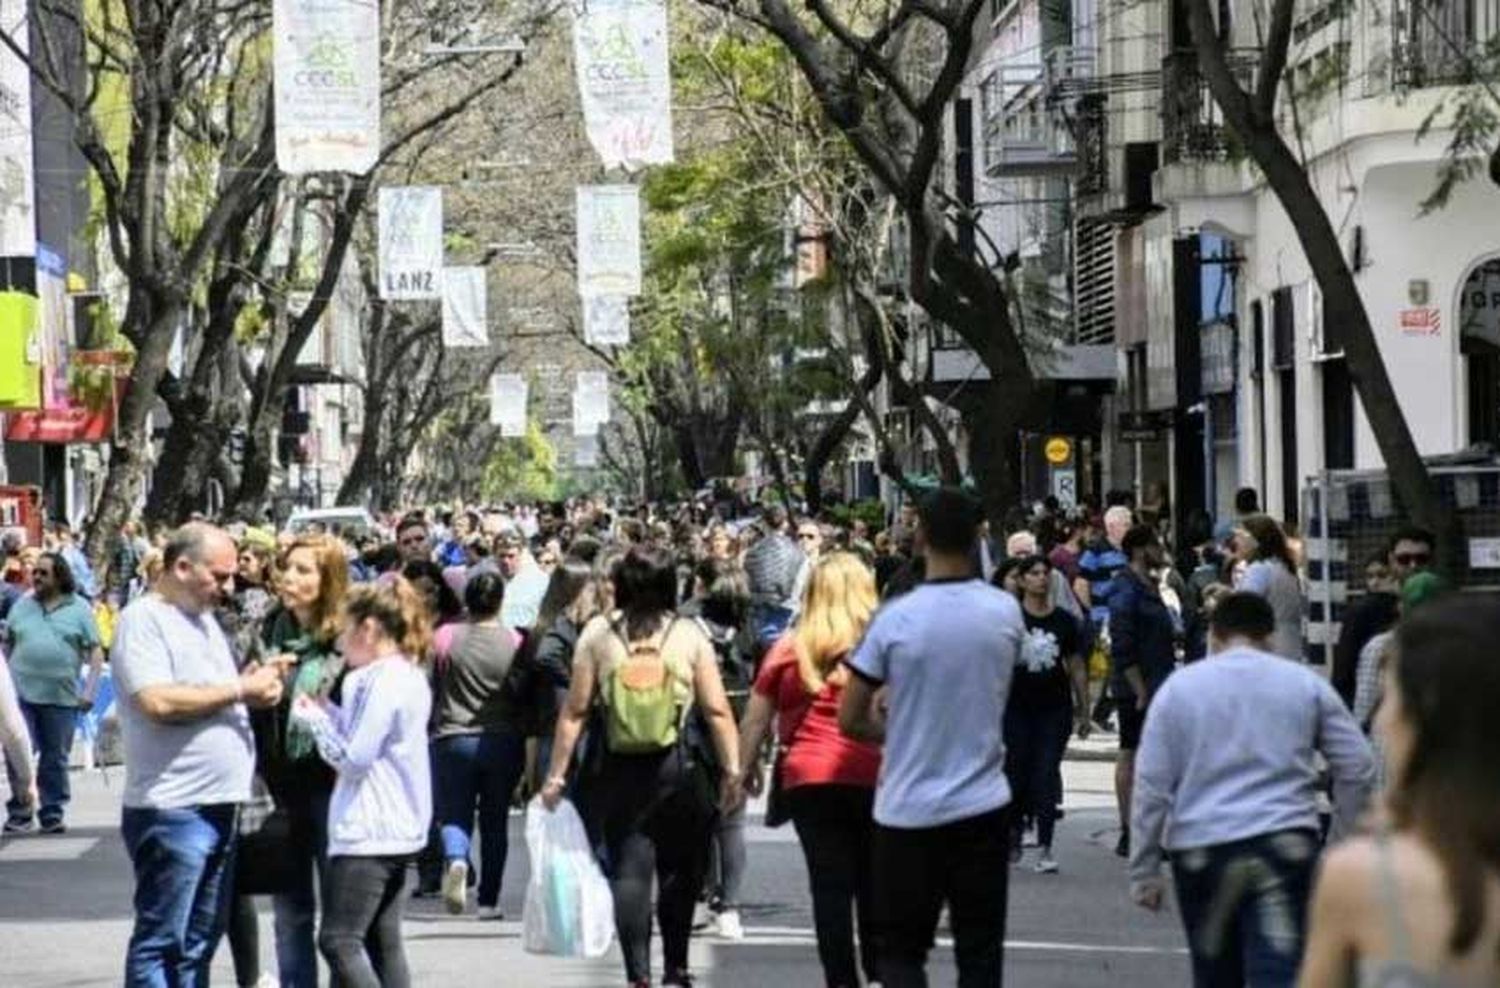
<point x="1193" y="127"/>
<point x="1439" y="44"/>
<point x="1022" y="137"/>
<point x="1090" y="122"/>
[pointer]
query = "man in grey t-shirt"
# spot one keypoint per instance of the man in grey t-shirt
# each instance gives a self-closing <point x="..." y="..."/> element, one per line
<point x="189" y="756"/>
<point x="944" y="654"/>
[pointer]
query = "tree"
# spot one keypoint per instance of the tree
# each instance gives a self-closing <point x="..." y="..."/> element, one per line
<point x="1252" y="113"/>
<point x="885" y="78"/>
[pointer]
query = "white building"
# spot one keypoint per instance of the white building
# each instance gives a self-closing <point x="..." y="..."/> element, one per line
<point x="1225" y="373"/>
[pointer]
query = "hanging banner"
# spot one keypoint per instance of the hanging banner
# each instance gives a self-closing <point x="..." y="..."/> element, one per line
<point x="609" y="240"/>
<point x="508" y="393"/>
<point x="411" y="242"/>
<point x="590" y="402"/>
<point x="606" y="320"/>
<point x="21" y="360"/>
<point x="327" y="57"/>
<point x="586" y="451"/>
<point x="464" y="298"/>
<point x="624" y="80"/>
<point x="17" y="175"/>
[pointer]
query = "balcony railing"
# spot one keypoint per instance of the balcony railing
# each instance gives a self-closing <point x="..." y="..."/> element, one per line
<point x="1441" y="42"/>
<point x="1193" y="127"/>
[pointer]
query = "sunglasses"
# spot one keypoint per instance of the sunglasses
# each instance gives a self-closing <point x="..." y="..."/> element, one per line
<point x="1413" y="558"/>
<point x="807" y="536"/>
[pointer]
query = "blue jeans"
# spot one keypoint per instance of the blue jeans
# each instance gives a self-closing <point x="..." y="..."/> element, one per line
<point x="183" y="861"/>
<point x="482" y="769"/>
<point x="1244" y="906"/>
<point x="51" y="729"/>
<point x="296" y="911"/>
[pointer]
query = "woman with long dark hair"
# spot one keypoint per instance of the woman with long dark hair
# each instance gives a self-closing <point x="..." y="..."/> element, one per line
<point x="544" y="667"/>
<point x="1271" y="572"/>
<point x="1417" y="905"/>
<point x="656" y="792"/>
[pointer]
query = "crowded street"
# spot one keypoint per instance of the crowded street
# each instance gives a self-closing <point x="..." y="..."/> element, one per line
<point x="1075" y="930"/>
<point x="760" y="494"/>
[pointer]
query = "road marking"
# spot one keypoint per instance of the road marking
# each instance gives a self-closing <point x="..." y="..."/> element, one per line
<point x="791" y="936"/>
<point x="46" y="848"/>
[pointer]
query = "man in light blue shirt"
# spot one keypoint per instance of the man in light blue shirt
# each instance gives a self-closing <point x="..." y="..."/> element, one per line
<point x="943" y="655"/>
<point x="1226" y="780"/>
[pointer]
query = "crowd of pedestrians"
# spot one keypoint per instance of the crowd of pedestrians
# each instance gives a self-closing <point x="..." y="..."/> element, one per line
<point x="339" y="721"/>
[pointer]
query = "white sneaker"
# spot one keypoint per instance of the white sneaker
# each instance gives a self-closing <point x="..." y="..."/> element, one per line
<point x="489" y="914"/>
<point x="456" y="886"/>
<point x="729" y="926"/>
<point x="1046" y="864"/>
<point x="703" y="918"/>
<point x="267" y="981"/>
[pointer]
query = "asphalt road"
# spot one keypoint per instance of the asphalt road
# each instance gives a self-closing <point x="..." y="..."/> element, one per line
<point x="65" y="914"/>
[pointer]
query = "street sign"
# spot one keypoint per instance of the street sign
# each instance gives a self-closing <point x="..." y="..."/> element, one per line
<point x="1143" y="427"/>
<point x="1065" y="486"/>
<point x="1058" y="451"/>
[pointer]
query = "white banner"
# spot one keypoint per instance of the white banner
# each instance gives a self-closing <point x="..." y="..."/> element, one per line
<point x="464" y="298"/>
<point x="411" y="242"/>
<point x="624" y="80"/>
<point x="606" y="320"/>
<point x="508" y="393"/>
<point x="609" y="240"/>
<point x="17" y="176"/>
<point x="586" y="451"/>
<point x="590" y="402"/>
<point x="327" y="57"/>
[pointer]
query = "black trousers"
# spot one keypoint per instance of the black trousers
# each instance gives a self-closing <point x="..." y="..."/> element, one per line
<point x="835" y="825"/>
<point x="965" y="864"/>
<point x="657" y="826"/>
<point x="361" y="934"/>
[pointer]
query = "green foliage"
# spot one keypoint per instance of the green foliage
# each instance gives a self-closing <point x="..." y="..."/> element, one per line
<point x="524" y="468"/>
<point x="868" y="510"/>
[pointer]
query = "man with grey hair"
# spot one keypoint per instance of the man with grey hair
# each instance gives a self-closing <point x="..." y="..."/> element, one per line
<point x="189" y="756"/>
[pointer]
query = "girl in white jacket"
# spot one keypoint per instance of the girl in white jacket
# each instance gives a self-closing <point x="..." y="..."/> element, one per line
<point x="382" y="801"/>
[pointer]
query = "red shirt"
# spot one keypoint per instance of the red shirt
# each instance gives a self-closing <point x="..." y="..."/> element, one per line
<point x="817" y="752"/>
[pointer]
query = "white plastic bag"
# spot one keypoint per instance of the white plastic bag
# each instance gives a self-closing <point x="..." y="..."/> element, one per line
<point x="569" y="911"/>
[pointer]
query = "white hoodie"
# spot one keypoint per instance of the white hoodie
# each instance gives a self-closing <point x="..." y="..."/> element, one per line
<point x="377" y="742"/>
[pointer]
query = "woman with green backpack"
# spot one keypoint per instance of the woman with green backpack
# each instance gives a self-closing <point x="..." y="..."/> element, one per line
<point x="659" y="783"/>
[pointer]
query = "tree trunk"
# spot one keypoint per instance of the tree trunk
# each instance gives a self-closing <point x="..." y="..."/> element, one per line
<point x="130" y="453"/>
<point x="1344" y="314"/>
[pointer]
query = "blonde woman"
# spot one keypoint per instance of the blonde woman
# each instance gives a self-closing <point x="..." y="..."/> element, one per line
<point x="827" y="779"/>
<point x="376" y="742"/>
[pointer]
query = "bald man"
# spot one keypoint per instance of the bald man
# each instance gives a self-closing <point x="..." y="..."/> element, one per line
<point x="189" y="756"/>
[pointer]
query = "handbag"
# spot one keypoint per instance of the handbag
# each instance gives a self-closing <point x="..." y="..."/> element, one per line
<point x="266" y="862"/>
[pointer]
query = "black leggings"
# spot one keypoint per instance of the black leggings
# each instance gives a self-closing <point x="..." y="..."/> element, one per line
<point x="244" y="940"/>
<point x="655" y="825"/>
<point x="361" y="934"/>
<point x="834" y="826"/>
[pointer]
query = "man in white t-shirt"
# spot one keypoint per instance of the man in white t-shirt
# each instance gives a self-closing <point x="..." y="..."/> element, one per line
<point x="189" y="756"/>
<point x="944" y="655"/>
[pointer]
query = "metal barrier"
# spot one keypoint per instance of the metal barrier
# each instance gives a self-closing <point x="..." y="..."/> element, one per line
<point x="1349" y="518"/>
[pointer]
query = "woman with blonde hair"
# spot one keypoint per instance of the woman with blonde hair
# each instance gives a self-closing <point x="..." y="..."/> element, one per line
<point x="381" y="808"/>
<point x="301" y="635"/>
<point x="825" y="779"/>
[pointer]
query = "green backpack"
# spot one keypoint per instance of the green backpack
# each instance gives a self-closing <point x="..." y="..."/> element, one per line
<point x="645" y="698"/>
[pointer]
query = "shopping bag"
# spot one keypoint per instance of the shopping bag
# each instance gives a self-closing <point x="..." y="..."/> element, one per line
<point x="568" y="910"/>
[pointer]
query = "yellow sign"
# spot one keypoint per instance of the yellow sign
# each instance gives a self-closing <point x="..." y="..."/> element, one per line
<point x="1058" y="451"/>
